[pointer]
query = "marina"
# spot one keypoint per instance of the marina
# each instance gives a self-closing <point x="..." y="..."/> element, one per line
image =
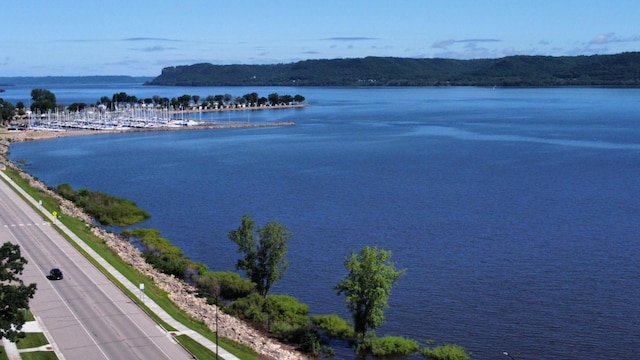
<point x="136" y="118"/>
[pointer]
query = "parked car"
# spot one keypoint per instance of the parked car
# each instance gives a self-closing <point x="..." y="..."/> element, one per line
<point x="55" y="274"/>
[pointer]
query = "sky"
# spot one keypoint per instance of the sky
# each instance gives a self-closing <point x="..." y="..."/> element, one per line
<point x="140" y="38"/>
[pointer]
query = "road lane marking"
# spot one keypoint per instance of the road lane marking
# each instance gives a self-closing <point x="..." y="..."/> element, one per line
<point x="28" y="224"/>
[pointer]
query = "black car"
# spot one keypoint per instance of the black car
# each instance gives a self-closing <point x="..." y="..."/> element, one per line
<point x="55" y="274"/>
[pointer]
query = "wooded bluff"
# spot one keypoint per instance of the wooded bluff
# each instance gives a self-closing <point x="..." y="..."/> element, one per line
<point x="515" y="71"/>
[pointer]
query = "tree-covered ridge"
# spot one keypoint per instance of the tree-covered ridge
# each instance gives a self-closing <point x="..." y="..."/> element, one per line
<point x="7" y="81"/>
<point x="595" y="70"/>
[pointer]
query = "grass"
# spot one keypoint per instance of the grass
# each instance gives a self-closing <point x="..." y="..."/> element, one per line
<point x="39" y="355"/>
<point x="3" y="354"/>
<point x="197" y="350"/>
<point x="28" y="316"/>
<point x="32" y="340"/>
<point x="83" y="231"/>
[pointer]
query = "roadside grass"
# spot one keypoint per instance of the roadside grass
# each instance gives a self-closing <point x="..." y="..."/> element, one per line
<point x="38" y="355"/>
<point x="32" y="340"/>
<point x="197" y="350"/>
<point x="3" y="354"/>
<point x="28" y="316"/>
<point x="83" y="231"/>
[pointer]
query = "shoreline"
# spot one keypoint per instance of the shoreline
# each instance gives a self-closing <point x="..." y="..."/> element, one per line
<point x="8" y="137"/>
<point x="178" y="291"/>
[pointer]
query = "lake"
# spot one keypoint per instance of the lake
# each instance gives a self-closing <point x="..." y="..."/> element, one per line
<point x="514" y="211"/>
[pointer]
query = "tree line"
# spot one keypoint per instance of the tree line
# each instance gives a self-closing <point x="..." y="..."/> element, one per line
<point x="514" y="71"/>
<point x="44" y="100"/>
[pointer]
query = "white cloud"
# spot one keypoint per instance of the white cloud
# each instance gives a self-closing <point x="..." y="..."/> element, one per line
<point x="446" y="43"/>
<point x="604" y="39"/>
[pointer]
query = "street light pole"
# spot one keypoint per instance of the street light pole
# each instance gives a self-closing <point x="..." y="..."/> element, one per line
<point x="217" y="327"/>
<point x="509" y="355"/>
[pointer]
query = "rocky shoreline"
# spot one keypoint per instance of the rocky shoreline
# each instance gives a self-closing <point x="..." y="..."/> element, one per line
<point x="181" y="293"/>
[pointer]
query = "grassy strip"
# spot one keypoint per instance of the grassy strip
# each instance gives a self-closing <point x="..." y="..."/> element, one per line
<point x="199" y="351"/>
<point x="32" y="340"/>
<point x="83" y="231"/>
<point x="39" y="355"/>
<point x="28" y="316"/>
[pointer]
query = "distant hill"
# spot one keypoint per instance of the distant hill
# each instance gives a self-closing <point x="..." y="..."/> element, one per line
<point x="97" y="79"/>
<point x="523" y="71"/>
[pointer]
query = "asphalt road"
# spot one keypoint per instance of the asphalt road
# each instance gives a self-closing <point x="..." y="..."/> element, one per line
<point x="85" y="316"/>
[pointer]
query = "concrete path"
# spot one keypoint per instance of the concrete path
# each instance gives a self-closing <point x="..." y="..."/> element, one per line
<point x="133" y="288"/>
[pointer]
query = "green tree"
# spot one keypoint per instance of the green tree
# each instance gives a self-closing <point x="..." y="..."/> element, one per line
<point x="367" y="287"/>
<point x="43" y="100"/>
<point x="251" y="98"/>
<point x="42" y="94"/>
<point x="20" y="106"/>
<point x="265" y="260"/>
<point x="14" y="294"/>
<point x="285" y="99"/>
<point x="6" y="112"/>
<point x="123" y="97"/>
<point x="227" y="284"/>
<point x="184" y="100"/>
<point x="77" y="106"/>
<point x="274" y="98"/>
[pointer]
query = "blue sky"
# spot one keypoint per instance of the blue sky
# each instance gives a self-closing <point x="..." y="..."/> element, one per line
<point x="116" y="37"/>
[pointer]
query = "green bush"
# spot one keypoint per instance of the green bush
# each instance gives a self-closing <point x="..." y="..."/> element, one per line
<point x="160" y="253"/>
<point x="249" y="308"/>
<point x="288" y="319"/>
<point x="66" y="191"/>
<point x="281" y="315"/>
<point x="389" y="346"/>
<point x="168" y="264"/>
<point x="447" y="352"/>
<point x="232" y="285"/>
<point x="334" y="326"/>
<point x="106" y="209"/>
<point x="286" y="308"/>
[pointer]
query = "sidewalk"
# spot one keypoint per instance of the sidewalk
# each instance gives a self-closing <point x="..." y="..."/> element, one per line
<point x="133" y="288"/>
<point x="11" y="349"/>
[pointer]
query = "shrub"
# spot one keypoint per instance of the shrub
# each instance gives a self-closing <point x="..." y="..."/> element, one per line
<point x="232" y="285"/>
<point x="159" y="252"/>
<point x="283" y="316"/>
<point x="447" y="352"/>
<point x="334" y="326"/>
<point x="389" y="346"/>
<point x="288" y="319"/>
<point x="311" y="344"/>
<point x="286" y="308"/>
<point x="168" y="264"/>
<point x="106" y="209"/>
<point x="248" y="308"/>
<point x="66" y="191"/>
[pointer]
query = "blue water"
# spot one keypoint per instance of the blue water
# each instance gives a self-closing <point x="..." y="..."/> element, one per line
<point x="514" y="211"/>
